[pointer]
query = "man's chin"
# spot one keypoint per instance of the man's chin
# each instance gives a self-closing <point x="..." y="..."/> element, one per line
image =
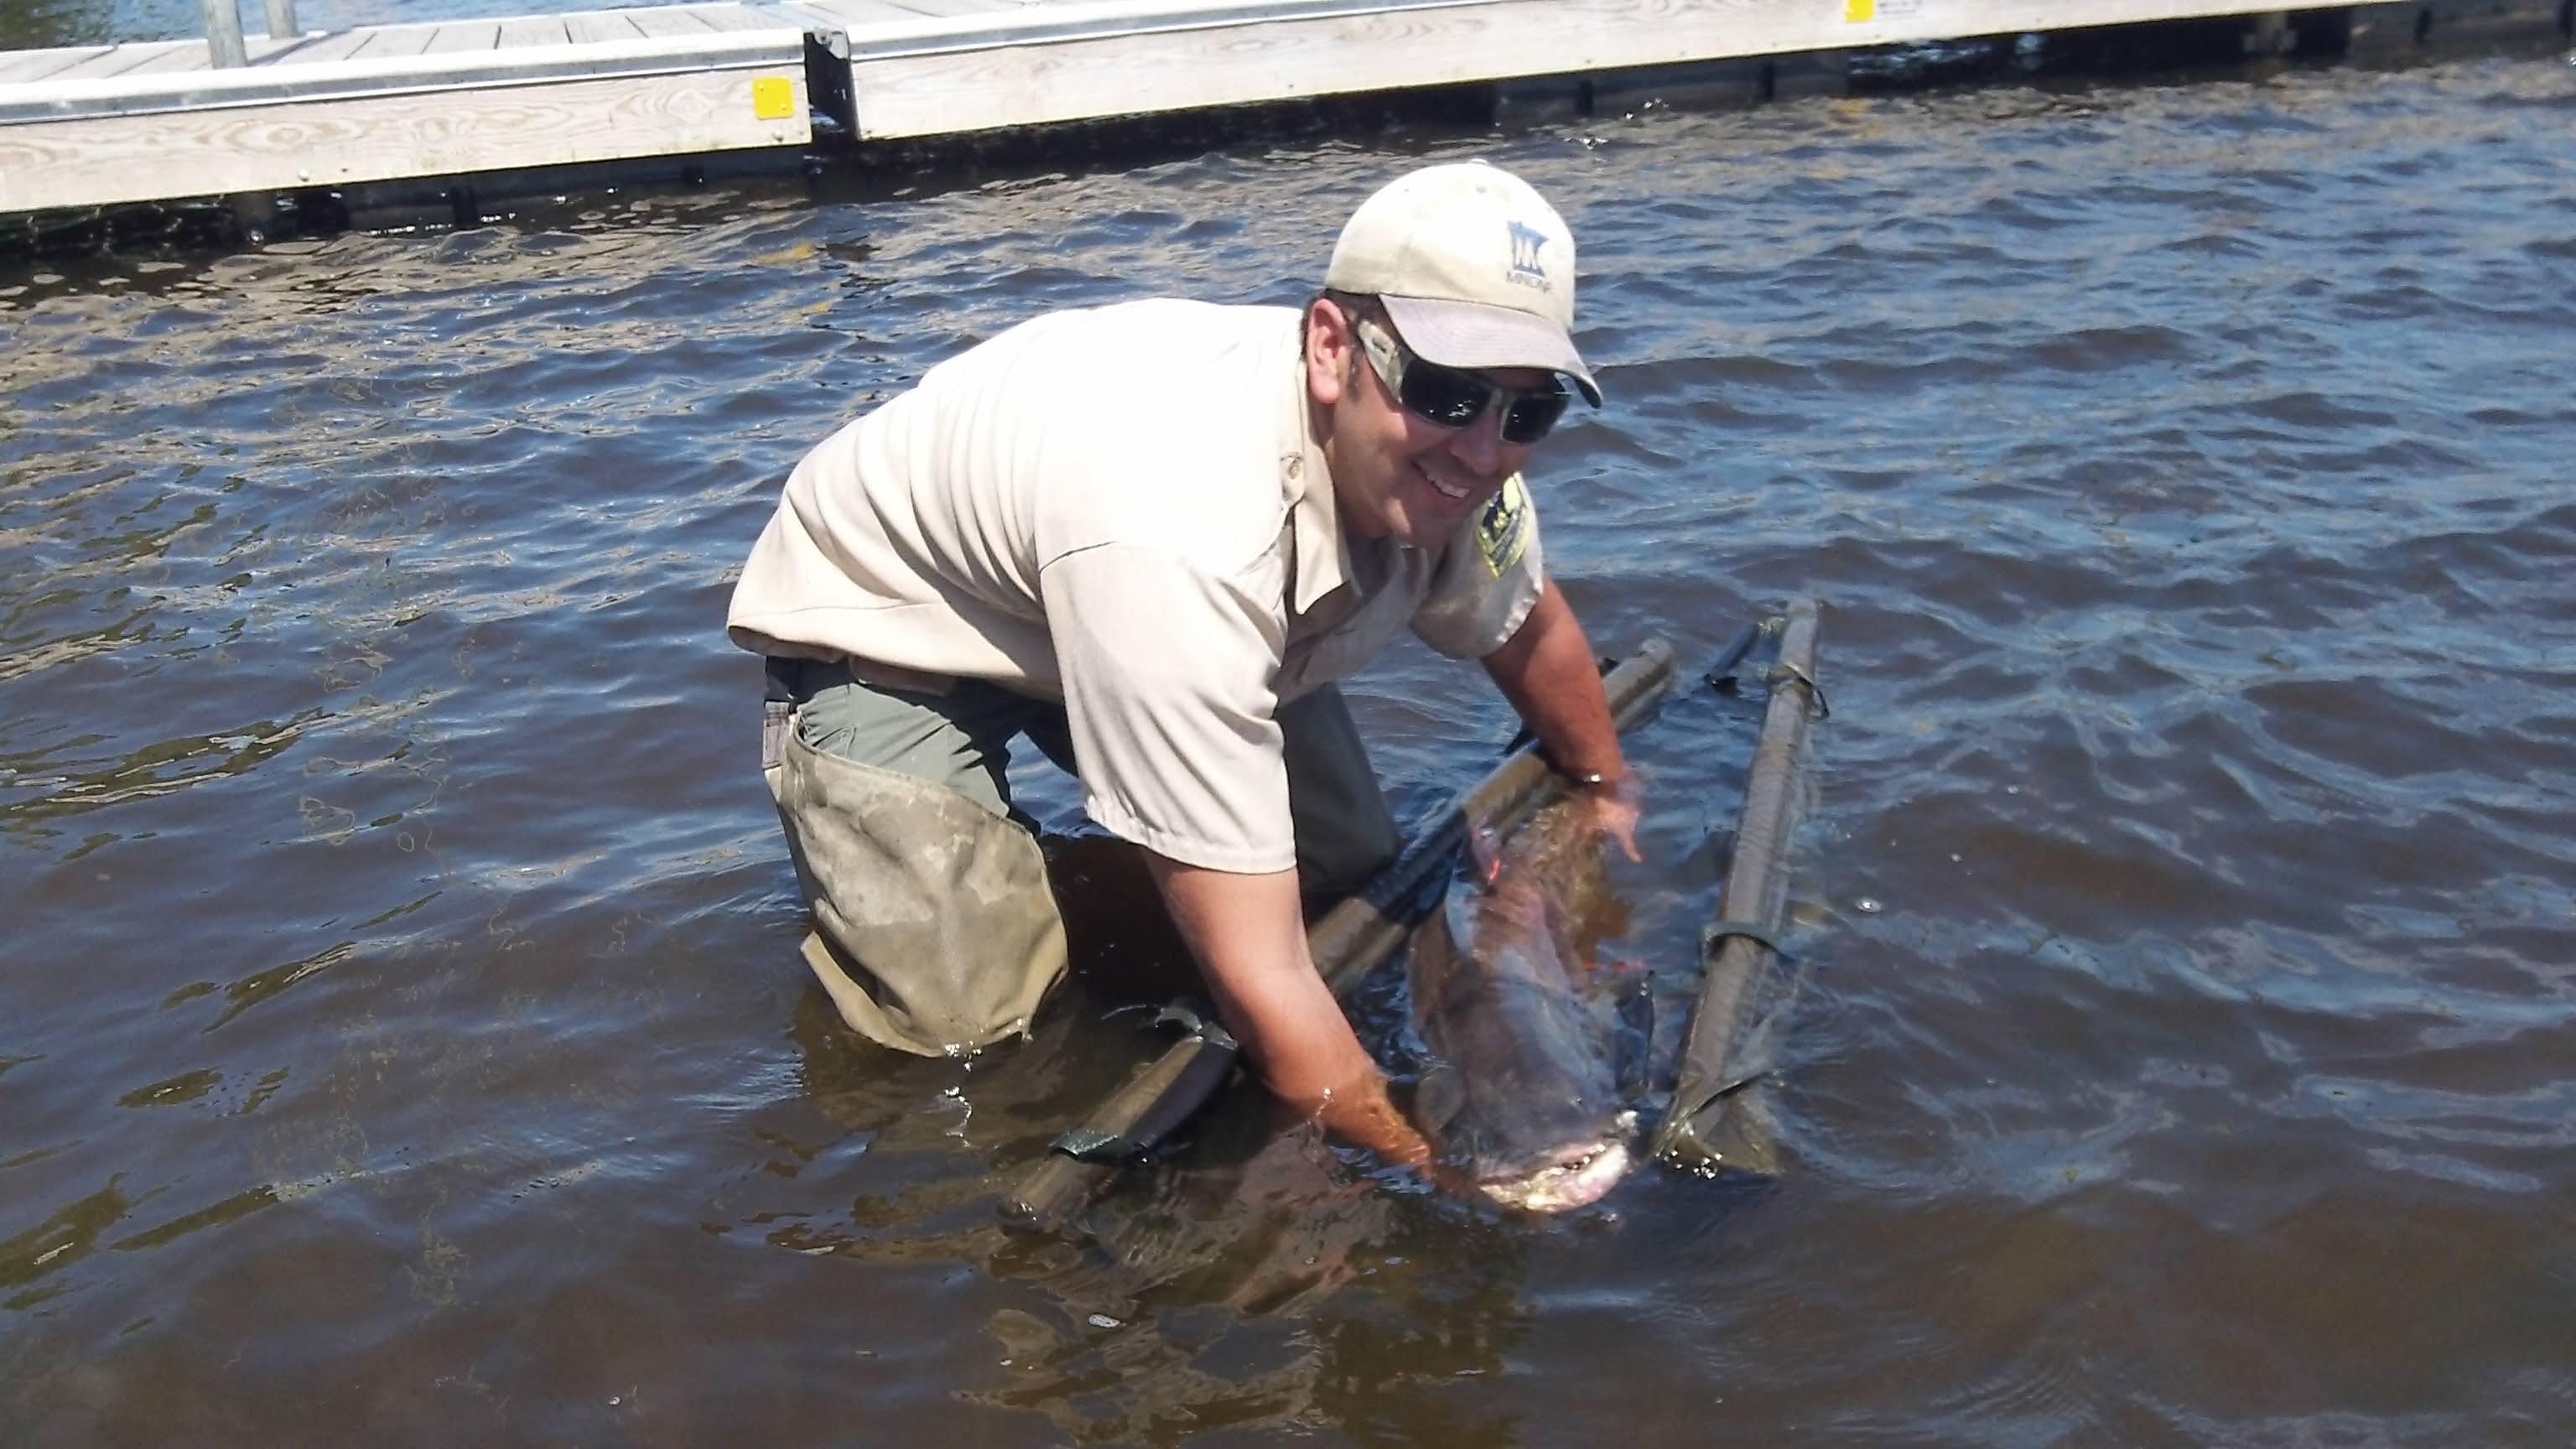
<point x="1427" y="519"/>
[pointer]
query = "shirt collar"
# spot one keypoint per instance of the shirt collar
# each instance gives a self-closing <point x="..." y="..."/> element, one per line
<point x="1323" y="556"/>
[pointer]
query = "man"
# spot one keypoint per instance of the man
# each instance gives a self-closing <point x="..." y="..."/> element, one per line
<point x="1148" y="538"/>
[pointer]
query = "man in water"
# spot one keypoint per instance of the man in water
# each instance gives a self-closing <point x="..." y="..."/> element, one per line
<point x="1148" y="538"/>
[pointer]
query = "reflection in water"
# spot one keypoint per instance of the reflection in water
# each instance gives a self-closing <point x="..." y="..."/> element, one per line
<point x="155" y="769"/>
<point x="58" y="1243"/>
<point x="1201" y="1290"/>
<point x="1242" y="1293"/>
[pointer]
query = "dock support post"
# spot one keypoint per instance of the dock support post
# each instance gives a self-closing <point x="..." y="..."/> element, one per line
<point x="281" y="19"/>
<point x="224" y="32"/>
<point x="2321" y="32"/>
<point x="255" y="216"/>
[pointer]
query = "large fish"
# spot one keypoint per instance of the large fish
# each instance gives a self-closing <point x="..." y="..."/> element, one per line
<point x="1521" y="1086"/>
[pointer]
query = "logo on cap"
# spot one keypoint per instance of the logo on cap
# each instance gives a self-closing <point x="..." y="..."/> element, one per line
<point x="1526" y="270"/>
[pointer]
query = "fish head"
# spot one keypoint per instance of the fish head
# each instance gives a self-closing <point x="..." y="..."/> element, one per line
<point x="1523" y="1097"/>
<point x="1529" y="1158"/>
<point x="1579" y="1181"/>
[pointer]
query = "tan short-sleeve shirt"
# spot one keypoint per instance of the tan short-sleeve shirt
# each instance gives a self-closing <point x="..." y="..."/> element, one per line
<point x="1123" y="508"/>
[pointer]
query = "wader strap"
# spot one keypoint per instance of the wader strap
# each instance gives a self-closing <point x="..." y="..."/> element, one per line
<point x="777" y="709"/>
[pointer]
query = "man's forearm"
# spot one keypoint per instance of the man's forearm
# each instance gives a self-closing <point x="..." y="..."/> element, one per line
<point x="1547" y="671"/>
<point x="1249" y="935"/>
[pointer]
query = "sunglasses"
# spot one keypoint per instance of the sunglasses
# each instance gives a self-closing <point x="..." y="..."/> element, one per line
<point x="1448" y="397"/>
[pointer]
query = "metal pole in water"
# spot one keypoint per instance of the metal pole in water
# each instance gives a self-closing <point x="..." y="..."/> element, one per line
<point x="224" y="32"/>
<point x="281" y="19"/>
<point x="1738" y="951"/>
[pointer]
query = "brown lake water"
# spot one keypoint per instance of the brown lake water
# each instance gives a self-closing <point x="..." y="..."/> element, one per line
<point x="401" y="1037"/>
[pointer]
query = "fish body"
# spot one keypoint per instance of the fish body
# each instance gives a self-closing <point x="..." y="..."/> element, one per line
<point x="1520" y="1085"/>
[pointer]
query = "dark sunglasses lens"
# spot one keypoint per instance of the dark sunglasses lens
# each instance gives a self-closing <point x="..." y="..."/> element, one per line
<point x="1453" y="398"/>
<point x="1443" y="395"/>
<point x="1531" y="416"/>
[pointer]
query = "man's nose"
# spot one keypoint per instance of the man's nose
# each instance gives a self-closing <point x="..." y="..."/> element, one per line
<point x="1480" y="444"/>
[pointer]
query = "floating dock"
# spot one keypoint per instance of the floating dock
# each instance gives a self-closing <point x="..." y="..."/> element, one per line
<point x="158" y="121"/>
<point x="99" y="126"/>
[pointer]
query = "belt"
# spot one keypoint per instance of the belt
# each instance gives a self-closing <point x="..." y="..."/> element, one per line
<point x="783" y="673"/>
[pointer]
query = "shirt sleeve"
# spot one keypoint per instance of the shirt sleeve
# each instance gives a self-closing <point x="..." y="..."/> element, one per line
<point x="1486" y="580"/>
<point x="1169" y="674"/>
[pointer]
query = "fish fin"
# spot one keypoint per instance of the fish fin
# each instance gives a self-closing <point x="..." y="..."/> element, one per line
<point x="1437" y="1097"/>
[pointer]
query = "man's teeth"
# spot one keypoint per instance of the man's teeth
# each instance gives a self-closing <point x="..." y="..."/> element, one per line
<point x="1444" y="490"/>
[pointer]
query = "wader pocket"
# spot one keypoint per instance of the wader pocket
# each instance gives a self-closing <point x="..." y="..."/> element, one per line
<point x="937" y="933"/>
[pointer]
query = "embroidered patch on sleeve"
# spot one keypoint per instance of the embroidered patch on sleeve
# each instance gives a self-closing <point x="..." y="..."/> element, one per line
<point x="1503" y="532"/>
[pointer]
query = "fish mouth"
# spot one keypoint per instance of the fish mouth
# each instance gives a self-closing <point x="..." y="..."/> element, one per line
<point x="1579" y="1177"/>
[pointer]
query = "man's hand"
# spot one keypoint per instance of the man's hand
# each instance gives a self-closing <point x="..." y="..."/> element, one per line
<point x="1615" y="806"/>
<point x="1249" y="935"/>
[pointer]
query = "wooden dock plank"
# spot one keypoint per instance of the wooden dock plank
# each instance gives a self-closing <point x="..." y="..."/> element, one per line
<point x="19" y="66"/>
<point x="748" y="17"/>
<point x="116" y="60"/>
<point x="858" y="17"/>
<point x="391" y="42"/>
<point x="270" y="50"/>
<point x="530" y="31"/>
<point x="179" y="56"/>
<point x="465" y="35"/>
<point x="599" y="26"/>
<point x="194" y="55"/>
<point x="105" y="160"/>
<point x="952" y="8"/>
<point x="674" y="20"/>
<point x="339" y="46"/>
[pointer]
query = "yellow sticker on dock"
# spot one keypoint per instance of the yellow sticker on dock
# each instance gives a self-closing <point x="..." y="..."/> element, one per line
<point x="773" y="97"/>
<point x="1859" y="12"/>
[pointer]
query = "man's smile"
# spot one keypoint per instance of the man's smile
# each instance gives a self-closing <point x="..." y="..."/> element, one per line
<point x="1446" y="489"/>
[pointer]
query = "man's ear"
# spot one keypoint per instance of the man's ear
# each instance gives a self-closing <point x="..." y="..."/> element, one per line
<point x="1330" y="350"/>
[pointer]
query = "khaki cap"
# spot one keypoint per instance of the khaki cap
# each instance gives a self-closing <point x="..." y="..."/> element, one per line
<point x="1475" y="269"/>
